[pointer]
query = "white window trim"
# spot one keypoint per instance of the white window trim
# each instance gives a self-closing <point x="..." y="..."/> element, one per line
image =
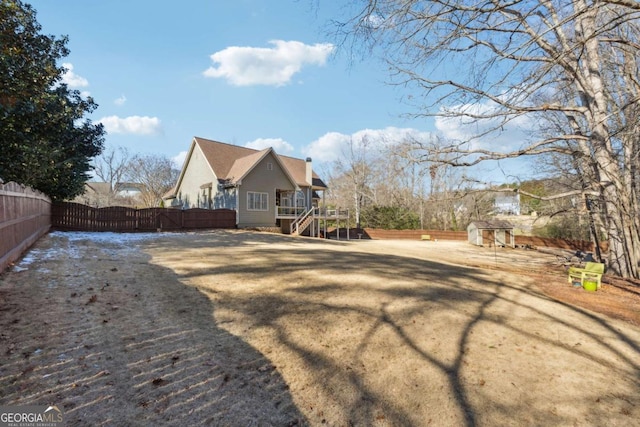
<point x="264" y="201"/>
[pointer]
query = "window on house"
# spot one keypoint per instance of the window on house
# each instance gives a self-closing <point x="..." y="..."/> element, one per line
<point x="300" y="199"/>
<point x="257" y="201"/>
<point x="269" y="166"/>
<point x="286" y="200"/>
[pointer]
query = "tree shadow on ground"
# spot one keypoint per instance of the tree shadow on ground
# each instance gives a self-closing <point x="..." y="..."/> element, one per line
<point x="478" y="347"/>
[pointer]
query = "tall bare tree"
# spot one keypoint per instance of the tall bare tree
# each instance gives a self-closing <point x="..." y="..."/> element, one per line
<point x="571" y="60"/>
<point x="156" y="175"/>
<point x="354" y="168"/>
<point x="111" y="167"/>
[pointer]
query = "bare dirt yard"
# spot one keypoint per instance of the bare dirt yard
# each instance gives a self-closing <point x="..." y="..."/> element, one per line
<point x="240" y="328"/>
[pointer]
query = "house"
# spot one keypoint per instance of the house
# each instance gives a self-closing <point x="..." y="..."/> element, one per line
<point x="100" y="194"/>
<point x="264" y="188"/>
<point x="96" y="194"/>
<point x="507" y="204"/>
<point x="128" y="189"/>
<point x="493" y="232"/>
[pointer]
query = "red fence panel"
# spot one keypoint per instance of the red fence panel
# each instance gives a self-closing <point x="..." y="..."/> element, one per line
<point x="173" y="219"/>
<point x="378" y="233"/>
<point x="75" y="216"/>
<point x="146" y="220"/>
<point x="202" y="218"/>
<point x="375" y="233"/>
<point x="25" y="215"/>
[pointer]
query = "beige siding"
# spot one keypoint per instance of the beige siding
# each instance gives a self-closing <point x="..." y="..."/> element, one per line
<point x="197" y="173"/>
<point x="262" y="180"/>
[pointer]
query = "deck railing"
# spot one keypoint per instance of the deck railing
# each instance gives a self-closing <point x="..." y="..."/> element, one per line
<point x="332" y="213"/>
<point x="290" y="211"/>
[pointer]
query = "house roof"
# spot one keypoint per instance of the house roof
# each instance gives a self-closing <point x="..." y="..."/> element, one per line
<point x="105" y="187"/>
<point x="494" y="224"/>
<point x="171" y="194"/>
<point x="243" y="165"/>
<point x="232" y="162"/>
<point x="298" y="169"/>
<point x="129" y="186"/>
<point x="97" y="187"/>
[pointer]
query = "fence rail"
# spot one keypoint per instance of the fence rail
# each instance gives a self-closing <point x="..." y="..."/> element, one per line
<point x="24" y="217"/>
<point x="79" y="217"/>
<point x="380" y="234"/>
<point x="560" y="243"/>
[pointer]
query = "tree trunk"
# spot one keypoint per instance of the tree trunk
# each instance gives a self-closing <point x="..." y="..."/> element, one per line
<point x="622" y="258"/>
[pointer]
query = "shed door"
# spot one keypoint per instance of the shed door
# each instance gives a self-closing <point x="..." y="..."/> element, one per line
<point x="487" y="237"/>
<point x="500" y="238"/>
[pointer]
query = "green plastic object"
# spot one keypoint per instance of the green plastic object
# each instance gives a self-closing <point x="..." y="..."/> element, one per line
<point x="590" y="286"/>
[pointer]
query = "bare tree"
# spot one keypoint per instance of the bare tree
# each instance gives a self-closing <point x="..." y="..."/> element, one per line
<point x="376" y="172"/>
<point x="156" y="175"/>
<point x="402" y="180"/>
<point x="355" y="170"/>
<point x="527" y="62"/>
<point x="111" y="167"/>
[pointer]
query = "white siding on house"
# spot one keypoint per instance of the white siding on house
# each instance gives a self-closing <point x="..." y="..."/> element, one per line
<point x="262" y="180"/>
<point x="508" y="204"/>
<point x="225" y="198"/>
<point x="196" y="174"/>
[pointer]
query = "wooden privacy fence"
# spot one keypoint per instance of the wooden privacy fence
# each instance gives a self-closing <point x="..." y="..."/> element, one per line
<point x="79" y="217"/>
<point x="380" y="234"/>
<point x="25" y="215"/>
<point x="560" y="243"/>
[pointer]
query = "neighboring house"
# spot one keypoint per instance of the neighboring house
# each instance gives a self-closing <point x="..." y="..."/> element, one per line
<point x="100" y="194"/>
<point x="96" y="194"/>
<point x="264" y="188"/>
<point x="507" y="204"/>
<point x="128" y="189"/>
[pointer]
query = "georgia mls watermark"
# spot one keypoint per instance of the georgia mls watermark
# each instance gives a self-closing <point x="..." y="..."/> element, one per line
<point x="31" y="416"/>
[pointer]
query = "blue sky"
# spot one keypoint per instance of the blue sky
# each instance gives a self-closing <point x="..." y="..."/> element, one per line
<point x="254" y="73"/>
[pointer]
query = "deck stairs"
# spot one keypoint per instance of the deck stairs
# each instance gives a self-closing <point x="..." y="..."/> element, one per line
<point x="302" y="222"/>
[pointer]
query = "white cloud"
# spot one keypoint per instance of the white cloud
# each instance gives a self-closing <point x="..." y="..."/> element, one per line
<point x="178" y="160"/>
<point x="120" y="101"/>
<point x="328" y="147"/>
<point x="375" y="21"/>
<point x="281" y="146"/>
<point x="274" y="66"/>
<point x="71" y="79"/>
<point x="333" y="145"/>
<point x="132" y="125"/>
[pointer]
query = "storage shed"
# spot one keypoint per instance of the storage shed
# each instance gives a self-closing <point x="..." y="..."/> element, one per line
<point x="491" y="232"/>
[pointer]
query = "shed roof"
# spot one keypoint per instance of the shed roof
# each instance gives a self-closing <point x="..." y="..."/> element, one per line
<point x="494" y="224"/>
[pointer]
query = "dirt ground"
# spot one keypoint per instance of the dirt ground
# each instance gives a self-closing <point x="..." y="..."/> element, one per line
<point x="241" y="328"/>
